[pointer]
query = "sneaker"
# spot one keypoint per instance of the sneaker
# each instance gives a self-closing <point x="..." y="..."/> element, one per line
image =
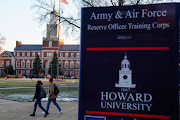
<point x="32" y="114"/>
<point x="43" y="112"/>
<point x="46" y="114"/>
<point x="60" y="112"/>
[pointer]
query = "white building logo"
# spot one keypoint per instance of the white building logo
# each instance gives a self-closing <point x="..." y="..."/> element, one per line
<point x="125" y="75"/>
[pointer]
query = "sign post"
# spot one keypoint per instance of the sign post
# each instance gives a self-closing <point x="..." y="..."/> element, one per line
<point x="129" y="63"/>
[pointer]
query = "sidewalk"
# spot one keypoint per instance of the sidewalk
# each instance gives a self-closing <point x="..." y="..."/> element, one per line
<point x="11" y="110"/>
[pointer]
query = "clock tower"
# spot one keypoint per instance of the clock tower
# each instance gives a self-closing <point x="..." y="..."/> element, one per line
<point x="125" y="75"/>
<point x="53" y="31"/>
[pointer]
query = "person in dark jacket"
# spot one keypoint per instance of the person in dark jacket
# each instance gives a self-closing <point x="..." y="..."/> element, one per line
<point x="38" y="98"/>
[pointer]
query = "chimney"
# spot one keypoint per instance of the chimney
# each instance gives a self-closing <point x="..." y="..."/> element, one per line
<point x="18" y="43"/>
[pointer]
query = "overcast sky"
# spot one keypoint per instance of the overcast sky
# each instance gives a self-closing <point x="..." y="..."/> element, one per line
<point x="17" y="22"/>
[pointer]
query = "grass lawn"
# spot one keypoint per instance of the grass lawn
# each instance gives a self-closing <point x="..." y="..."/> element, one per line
<point x="67" y="88"/>
<point x="32" y="83"/>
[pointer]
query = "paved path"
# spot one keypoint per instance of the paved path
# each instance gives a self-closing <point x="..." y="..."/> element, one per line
<point x="11" y="110"/>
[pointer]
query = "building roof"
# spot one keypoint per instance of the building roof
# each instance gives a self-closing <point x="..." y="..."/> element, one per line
<point x="39" y="47"/>
<point x="69" y="48"/>
<point x="29" y="47"/>
<point x="10" y="53"/>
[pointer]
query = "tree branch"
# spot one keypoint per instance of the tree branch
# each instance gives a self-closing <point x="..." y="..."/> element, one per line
<point x="88" y="3"/>
<point x="70" y="21"/>
<point x="137" y="2"/>
<point x="113" y="4"/>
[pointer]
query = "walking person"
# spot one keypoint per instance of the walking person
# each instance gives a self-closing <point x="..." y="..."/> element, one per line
<point x="38" y="98"/>
<point x="52" y="97"/>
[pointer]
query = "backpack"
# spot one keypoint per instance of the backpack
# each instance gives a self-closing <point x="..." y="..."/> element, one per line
<point x="42" y="92"/>
<point x="56" y="90"/>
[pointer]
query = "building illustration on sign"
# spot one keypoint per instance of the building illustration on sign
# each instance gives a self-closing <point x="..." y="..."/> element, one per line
<point x="125" y="75"/>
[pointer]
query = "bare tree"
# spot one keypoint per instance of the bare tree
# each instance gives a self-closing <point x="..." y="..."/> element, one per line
<point x="43" y="9"/>
<point x="71" y="22"/>
<point x="2" y="40"/>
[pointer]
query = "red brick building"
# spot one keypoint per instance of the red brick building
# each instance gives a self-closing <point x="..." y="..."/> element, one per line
<point x="24" y="54"/>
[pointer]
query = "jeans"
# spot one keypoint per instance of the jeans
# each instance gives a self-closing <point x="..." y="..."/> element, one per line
<point x="39" y="103"/>
<point x="55" y="103"/>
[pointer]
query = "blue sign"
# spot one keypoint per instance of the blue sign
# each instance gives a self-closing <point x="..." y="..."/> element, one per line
<point x="87" y="117"/>
<point x="129" y="62"/>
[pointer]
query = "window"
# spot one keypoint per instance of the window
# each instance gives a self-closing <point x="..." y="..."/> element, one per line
<point x="7" y="63"/>
<point x="72" y="54"/>
<point x="71" y="73"/>
<point x="77" y="64"/>
<point x="33" y="54"/>
<point x="23" y="72"/>
<point x="17" y="72"/>
<point x="32" y="64"/>
<point x="18" y="54"/>
<point x="77" y="73"/>
<point x="28" y="64"/>
<point x="65" y="72"/>
<point x="23" y="54"/>
<point x="66" y="64"/>
<point x="17" y="63"/>
<point x="77" y="54"/>
<point x="28" y="54"/>
<point x="50" y="43"/>
<point x="23" y="64"/>
<point x="39" y="54"/>
<point x="49" y="54"/>
<point x="47" y="64"/>
<point x="1" y="63"/>
<point x="61" y="54"/>
<point x="72" y="64"/>
<point x="66" y="54"/>
<point x="61" y="63"/>
<point x="27" y="72"/>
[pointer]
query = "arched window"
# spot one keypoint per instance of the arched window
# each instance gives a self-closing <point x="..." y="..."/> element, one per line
<point x="66" y="64"/>
<point x="28" y="64"/>
<point x="23" y="64"/>
<point x="72" y="64"/>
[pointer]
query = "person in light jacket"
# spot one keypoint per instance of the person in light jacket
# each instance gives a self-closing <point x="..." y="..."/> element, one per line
<point x="52" y="98"/>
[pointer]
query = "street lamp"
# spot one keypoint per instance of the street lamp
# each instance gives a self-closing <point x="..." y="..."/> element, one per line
<point x="58" y="43"/>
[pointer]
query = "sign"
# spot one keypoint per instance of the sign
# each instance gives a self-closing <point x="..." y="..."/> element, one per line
<point x="87" y="117"/>
<point x="129" y="62"/>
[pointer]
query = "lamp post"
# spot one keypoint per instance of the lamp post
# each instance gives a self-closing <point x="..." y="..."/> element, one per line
<point x="58" y="43"/>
